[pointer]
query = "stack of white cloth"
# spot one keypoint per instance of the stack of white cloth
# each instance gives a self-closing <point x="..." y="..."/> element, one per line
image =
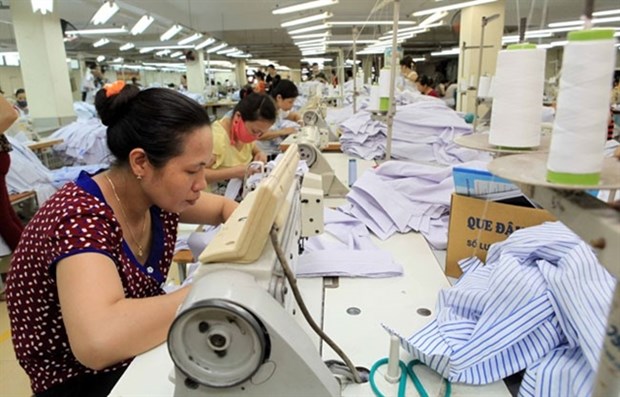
<point x="84" y="142"/>
<point x="28" y="173"/>
<point x="401" y="196"/>
<point x="345" y="250"/>
<point x="422" y="131"/>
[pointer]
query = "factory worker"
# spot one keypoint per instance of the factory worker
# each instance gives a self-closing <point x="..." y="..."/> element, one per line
<point x="425" y="86"/>
<point x="284" y="94"/>
<point x="85" y="292"/>
<point x="234" y="139"/>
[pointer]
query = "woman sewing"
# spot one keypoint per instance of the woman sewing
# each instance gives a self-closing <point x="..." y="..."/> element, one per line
<point x="234" y="139"/>
<point x="85" y="293"/>
<point x="425" y="86"/>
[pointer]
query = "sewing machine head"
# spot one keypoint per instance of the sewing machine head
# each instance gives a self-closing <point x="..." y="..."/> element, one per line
<point x="235" y="333"/>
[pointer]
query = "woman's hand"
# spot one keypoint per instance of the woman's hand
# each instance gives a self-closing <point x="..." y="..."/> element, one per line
<point x="260" y="156"/>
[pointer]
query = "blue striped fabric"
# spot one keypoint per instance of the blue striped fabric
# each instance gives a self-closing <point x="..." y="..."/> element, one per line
<point x="540" y="303"/>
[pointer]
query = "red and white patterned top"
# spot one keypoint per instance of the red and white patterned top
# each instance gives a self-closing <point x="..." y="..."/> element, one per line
<point x="74" y="220"/>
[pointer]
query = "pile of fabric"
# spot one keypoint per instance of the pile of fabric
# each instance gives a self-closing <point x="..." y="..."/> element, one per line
<point x="540" y="304"/>
<point x="84" y="142"/>
<point x="401" y="196"/>
<point x="422" y="131"/>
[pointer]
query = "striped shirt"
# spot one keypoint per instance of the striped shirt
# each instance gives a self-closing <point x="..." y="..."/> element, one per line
<point x="540" y="303"/>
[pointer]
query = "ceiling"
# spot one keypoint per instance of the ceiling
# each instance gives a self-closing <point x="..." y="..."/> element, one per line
<point x="251" y="27"/>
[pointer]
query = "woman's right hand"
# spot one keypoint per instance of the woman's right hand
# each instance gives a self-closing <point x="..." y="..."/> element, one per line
<point x="289" y="130"/>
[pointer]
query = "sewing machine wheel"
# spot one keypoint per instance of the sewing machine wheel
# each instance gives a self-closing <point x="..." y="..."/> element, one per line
<point x="308" y="153"/>
<point x="218" y="343"/>
<point x="311" y="118"/>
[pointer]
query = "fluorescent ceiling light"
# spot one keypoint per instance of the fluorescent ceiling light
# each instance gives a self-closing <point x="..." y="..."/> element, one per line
<point x="437" y="16"/>
<point x="217" y="48"/>
<point x="452" y="7"/>
<point x="191" y="38"/>
<point x="176" y="54"/>
<point x="101" y="42"/>
<point x="144" y="50"/>
<point x="369" y="22"/>
<point x="580" y="22"/>
<point x="559" y="43"/>
<point x="118" y="60"/>
<point x="317" y="60"/>
<point x="217" y="70"/>
<point x="308" y="29"/>
<point x="451" y="51"/>
<point x="544" y="46"/>
<point x="417" y="29"/>
<point x="228" y="51"/>
<point x="101" y="58"/>
<point x="312" y="18"/>
<point x="304" y="6"/>
<point x="225" y="64"/>
<point x="126" y="47"/>
<point x="162" y="53"/>
<point x="104" y="13"/>
<point x="96" y="31"/>
<point x="44" y="6"/>
<point x="313" y="41"/>
<point x="422" y="59"/>
<point x="528" y="35"/>
<point x="170" y="33"/>
<point x="205" y="43"/>
<point x="312" y="36"/>
<point x="350" y="42"/>
<point x="142" y="24"/>
<point x="398" y="36"/>
<point x="605" y="13"/>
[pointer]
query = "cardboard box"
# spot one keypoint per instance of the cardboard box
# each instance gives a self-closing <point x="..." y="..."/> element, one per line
<point x="475" y="224"/>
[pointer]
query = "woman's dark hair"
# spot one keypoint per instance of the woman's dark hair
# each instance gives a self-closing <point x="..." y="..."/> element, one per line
<point x="156" y="120"/>
<point x="425" y="80"/>
<point x="407" y="61"/>
<point x="245" y="91"/>
<point x="256" y="107"/>
<point x="20" y="91"/>
<point x="285" y="88"/>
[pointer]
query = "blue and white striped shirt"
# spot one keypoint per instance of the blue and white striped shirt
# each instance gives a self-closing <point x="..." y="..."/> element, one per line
<point x="540" y="303"/>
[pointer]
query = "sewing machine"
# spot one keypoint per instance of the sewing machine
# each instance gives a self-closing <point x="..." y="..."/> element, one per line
<point x="235" y="333"/>
<point x="310" y="140"/>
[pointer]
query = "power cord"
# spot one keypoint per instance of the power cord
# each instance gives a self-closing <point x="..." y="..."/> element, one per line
<point x="304" y="310"/>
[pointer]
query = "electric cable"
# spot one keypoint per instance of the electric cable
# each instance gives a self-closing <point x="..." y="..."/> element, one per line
<point x="304" y="310"/>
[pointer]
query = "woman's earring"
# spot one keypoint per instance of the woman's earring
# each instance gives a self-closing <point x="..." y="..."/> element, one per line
<point x="139" y="177"/>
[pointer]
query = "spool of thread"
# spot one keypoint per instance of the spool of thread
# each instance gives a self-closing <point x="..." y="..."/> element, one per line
<point x="384" y="89"/>
<point x="374" y="97"/>
<point x="472" y="81"/>
<point x="580" y="127"/>
<point x="518" y="93"/>
<point x="484" y="88"/>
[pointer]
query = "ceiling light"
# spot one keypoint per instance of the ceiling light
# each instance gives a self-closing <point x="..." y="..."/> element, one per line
<point x="311" y="35"/>
<point x="44" y="6"/>
<point x="304" y="6"/>
<point x="314" y="41"/>
<point x="100" y="58"/>
<point x="369" y="22"/>
<point x="191" y="38"/>
<point x="126" y="47"/>
<point x="176" y="54"/>
<point x="142" y="24"/>
<point x="301" y="21"/>
<point x="308" y="29"/>
<point x="580" y="22"/>
<point x="170" y="33"/>
<point x="417" y="29"/>
<point x="217" y="48"/>
<point x="118" y="60"/>
<point x="162" y="53"/>
<point x="437" y="16"/>
<point x="101" y="42"/>
<point x="227" y="51"/>
<point x="351" y="42"/>
<point x="605" y="13"/>
<point x="451" y="51"/>
<point x="96" y="31"/>
<point x="144" y="50"/>
<point x="205" y="43"/>
<point x="452" y="7"/>
<point x="104" y="13"/>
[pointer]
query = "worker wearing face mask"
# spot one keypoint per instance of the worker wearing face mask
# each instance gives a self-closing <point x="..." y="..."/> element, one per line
<point x="21" y="104"/>
<point x="234" y="139"/>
